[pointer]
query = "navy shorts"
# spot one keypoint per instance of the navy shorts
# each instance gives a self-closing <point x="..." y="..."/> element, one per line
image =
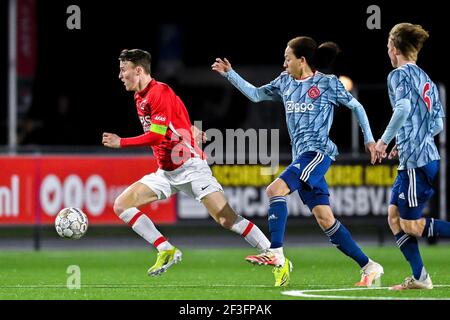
<point x="307" y="176"/>
<point x="412" y="189"/>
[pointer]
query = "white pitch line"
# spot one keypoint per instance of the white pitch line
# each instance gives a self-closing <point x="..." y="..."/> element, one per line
<point x="148" y="285"/>
<point x="59" y="286"/>
<point x="310" y="294"/>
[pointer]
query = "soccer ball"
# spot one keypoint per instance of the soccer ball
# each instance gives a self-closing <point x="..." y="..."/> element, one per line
<point x="71" y="223"/>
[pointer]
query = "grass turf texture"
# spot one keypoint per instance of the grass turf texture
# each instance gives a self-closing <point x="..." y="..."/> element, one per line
<point x="208" y="274"/>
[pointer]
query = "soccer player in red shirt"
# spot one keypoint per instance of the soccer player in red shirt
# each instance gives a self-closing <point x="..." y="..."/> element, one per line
<point x="182" y="164"/>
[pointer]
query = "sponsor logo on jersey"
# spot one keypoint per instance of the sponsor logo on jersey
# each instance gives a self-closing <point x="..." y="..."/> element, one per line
<point x="314" y="92"/>
<point x="292" y="106"/>
<point x="160" y="118"/>
<point x="145" y="121"/>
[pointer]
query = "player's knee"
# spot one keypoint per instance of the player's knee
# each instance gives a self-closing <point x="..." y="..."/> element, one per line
<point x="391" y="223"/>
<point x="273" y="191"/>
<point x="394" y="219"/>
<point x="324" y="216"/>
<point x="119" y="207"/>
<point x="325" y="222"/>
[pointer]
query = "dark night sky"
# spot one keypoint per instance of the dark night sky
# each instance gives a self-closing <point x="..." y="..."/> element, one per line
<point x="82" y="64"/>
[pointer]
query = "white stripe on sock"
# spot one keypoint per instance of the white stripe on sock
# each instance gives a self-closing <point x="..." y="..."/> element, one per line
<point x="128" y="214"/>
<point x="402" y="240"/>
<point x="431" y="228"/>
<point x="143" y="226"/>
<point x="333" y="229"/>
<point x="255" y="237"/>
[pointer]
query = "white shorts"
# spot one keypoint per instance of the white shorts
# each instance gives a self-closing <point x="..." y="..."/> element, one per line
<point x="194" y="178"/>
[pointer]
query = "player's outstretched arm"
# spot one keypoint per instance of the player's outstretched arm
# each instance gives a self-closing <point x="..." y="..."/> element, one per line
<point x="267" y="92"/>
<point x="398" y="119"/>
<point x="111" y="140"/>
<point x="361" y="116"/>
<point x="345" y="98"/>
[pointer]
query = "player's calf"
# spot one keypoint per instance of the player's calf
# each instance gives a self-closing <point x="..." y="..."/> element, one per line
<point x="228" y="219"/>
<point x="251" y="233"/>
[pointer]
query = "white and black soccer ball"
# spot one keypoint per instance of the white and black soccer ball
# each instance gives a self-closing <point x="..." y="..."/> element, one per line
<point x="71" y="223"/>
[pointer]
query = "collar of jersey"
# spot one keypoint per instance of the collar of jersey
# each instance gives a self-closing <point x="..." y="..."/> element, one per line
<point x="305" y="79"/>
<point x="144" y="91"/>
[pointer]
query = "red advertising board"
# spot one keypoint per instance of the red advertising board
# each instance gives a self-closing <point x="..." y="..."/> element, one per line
<point x="34" y="189"/>
<point x="17" y="182"/>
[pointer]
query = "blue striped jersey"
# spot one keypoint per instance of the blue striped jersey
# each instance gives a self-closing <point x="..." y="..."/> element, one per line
<point x="309" y="106"/>
<point x="414" y="139"/>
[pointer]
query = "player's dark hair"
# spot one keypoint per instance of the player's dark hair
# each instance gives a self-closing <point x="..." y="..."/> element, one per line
<point x="303" y="47"/>
<point x="321" y="57"/>
<point x="138" y="57"/>
<point x="326" y="55"/>
<point x="408" y="38"/>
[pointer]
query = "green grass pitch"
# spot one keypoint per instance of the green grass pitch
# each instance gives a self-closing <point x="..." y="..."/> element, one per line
<point x="218" y="274"/>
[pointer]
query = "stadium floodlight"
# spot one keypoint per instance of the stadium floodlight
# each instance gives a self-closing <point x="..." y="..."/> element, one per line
<point x="348" y="85"/>
<point x="347" y="82"/>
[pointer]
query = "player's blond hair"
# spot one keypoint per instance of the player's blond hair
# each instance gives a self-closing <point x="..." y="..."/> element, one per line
<point x="408" y="38"/>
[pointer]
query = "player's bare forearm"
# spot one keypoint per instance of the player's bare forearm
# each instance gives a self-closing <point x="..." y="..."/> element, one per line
<point x="111" y="140"/>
